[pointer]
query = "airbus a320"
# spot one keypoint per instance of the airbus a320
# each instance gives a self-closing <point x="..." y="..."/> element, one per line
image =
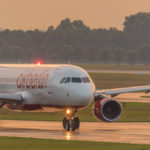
<point x="67" y="87"/>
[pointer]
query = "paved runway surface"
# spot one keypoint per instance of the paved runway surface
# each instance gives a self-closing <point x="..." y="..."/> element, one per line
<point x="107" y="132"/>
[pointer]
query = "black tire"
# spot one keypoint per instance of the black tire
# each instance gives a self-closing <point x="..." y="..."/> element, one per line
<point x="68" y="127"/>
<point x="75" y="123"/>
<point x="77" y="120"/>
<point x="65" y="121"/>
<point x="66" y="124"/>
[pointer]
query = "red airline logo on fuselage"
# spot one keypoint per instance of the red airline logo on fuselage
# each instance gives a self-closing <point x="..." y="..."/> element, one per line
<point x="32" y="80"/>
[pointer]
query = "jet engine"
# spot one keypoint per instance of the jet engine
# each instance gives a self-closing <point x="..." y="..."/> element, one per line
<point x="107" y="110"/>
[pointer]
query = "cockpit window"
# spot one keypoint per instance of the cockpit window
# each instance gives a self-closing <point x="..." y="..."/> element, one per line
<point x="85" y="80"/>
<point x="76" y="80"/>
<point x="67" y="80"/>
<point x="63" y="79"/>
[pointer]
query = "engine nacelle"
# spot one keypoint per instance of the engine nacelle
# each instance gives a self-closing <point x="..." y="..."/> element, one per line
<point x="107" y="110"/>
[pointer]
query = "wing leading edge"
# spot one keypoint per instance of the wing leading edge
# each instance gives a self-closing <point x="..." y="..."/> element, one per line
<point x="115" y="92"/>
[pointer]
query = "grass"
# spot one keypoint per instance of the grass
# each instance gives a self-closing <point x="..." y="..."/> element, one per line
<point x="134" y="112"/>
<point x="13" y="143"/>
<point x="138" y="67"/>
<point x="36" y="116"/>
<point x="145" y="96"/>
<point x="119" y="80"/>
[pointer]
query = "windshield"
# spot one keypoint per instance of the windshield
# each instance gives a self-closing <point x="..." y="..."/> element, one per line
<point x="74" y="80"/>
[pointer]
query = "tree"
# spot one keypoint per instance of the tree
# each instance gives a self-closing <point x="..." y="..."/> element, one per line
<point x="50" y="29"/>
<point x="66" y="52"/>
<point x="65" y="25"/>
<point x="75" y="40"/>
<point x="80" y="26"/>
<point x="42" y="53"/>
<point x="144" y="53"/>
<point x="18" y="53"/>
<point x="119" y="55"/>
<point x="137" y="22"/>
<point x="91" y="54"/>
<point x="78" y="54"/>
<point x="132" y="57"/>
<point x="105" y="55"/>
<point x="136" y="29"/>
<point x="6" y="53"/>
<point x="2" y="42"/>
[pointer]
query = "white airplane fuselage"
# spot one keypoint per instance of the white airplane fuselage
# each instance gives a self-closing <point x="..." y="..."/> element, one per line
<point x="48" y="85"/>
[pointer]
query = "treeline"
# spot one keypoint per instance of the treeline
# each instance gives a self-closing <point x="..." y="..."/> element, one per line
<point x="75" y="41"/>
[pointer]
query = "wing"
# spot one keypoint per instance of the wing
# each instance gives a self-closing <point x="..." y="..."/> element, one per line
<point x="10" y="98"/>
<point x="115" y="92"/>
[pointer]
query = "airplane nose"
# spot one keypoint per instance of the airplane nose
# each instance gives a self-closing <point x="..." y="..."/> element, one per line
<point x="82" y="96"/>
<point x="85" y="95"/>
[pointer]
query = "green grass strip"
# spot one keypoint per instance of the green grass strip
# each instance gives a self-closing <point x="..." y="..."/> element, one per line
<point x="13" y="143"/>
<point x="145" y="96"/>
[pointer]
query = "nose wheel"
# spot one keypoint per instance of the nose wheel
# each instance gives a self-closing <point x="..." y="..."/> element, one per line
<point x="70" y="122"/>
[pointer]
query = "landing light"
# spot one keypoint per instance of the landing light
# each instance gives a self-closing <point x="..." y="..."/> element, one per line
<point x="68" y="111"/>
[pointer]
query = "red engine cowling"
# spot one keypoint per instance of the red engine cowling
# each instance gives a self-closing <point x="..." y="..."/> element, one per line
<point x="107" y="110"/>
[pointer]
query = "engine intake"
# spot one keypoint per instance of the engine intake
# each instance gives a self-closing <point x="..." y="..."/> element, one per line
<point x="107" y="110"/>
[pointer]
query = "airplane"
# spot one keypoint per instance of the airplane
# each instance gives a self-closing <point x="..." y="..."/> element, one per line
<point x="67" y="87"/>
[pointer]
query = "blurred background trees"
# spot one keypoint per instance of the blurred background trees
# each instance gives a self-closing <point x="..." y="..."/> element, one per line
<point x="75" y="41"/>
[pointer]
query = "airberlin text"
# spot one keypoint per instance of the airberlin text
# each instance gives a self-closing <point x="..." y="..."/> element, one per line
<point x="32" y="80"/>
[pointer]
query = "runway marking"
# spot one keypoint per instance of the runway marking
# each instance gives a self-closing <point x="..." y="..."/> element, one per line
<point x="138" y="133"/>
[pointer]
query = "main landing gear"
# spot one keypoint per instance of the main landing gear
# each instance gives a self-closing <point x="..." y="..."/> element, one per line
<point x="70" y="122"/>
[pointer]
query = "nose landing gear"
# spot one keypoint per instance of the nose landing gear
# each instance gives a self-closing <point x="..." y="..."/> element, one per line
<point x="70" y="122"/>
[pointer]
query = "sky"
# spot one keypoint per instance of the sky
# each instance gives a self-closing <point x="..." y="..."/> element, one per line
<point x="40" y="14"/>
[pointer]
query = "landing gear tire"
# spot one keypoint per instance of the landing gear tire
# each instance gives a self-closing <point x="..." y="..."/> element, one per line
<point x="67" y="127"/>
<point x="65" y="122"/>
<point x="75" y="123"/>
<point x="72" y="124"/>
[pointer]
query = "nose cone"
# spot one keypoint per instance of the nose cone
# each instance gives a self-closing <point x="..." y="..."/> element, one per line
<point x="82" y="95"/>
<point x="85" y="96"/>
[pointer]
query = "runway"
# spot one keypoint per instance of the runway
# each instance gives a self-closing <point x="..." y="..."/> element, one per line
<point x="105" y="132"/>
